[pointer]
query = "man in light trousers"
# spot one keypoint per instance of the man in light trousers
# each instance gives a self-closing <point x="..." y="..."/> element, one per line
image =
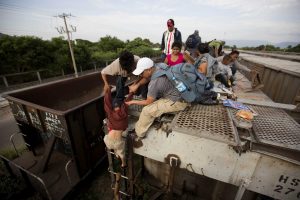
<point x="162" y="97"/>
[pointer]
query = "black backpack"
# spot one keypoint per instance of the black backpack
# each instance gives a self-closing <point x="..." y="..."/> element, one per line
<point x="191" y="41"/>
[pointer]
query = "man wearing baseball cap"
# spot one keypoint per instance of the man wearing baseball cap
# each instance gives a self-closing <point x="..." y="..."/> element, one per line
<point x="162" y="97"/>
<point x="169" y="36"/>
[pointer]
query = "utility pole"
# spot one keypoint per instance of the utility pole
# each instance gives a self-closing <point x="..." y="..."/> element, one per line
<point x="61" y="30"/>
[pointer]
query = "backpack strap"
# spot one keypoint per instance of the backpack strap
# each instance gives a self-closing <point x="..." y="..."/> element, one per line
<point x="162" y="69"/>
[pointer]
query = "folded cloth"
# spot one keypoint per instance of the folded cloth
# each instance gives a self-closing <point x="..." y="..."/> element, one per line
<point x="235" y="104"/>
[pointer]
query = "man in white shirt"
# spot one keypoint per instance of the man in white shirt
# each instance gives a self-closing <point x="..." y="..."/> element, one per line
<point x="122" y="66"/>
<point x="169" y="36"/>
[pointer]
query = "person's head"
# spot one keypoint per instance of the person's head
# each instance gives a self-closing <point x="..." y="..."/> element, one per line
<point x="196" y="32"/>
<point x="234" y="54"/>
<point x="144" y="68"/>
<point x="176" y="47"/>
<point x="203" y="48"/>
<point x="126" y="60"/>
<point x="170" y="24"/>
<point x="227" y="60"/>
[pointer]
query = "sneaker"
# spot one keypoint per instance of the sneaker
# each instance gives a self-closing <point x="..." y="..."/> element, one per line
<point x="137" y="142"/>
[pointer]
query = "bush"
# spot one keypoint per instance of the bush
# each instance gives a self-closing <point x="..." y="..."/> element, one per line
<point x="294" y="49"/>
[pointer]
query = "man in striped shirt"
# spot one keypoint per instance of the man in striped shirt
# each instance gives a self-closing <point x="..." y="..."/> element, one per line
<point x="169" y="36"/>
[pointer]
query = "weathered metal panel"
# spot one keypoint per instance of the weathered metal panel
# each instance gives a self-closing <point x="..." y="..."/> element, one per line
<point x="219" y="161"/>
<point x="279" y="84"/>
<point x="269" y="83"/>
<point x="286" y="82"/>
<point x="276" y="178"/>
<point x="293" y="90"/>
<point x="275" y="127"/>
<point x="18" y="111"/>
<point x="206" y="121"/>
<point x="207" y="157"/>
<point x="55" y="124"/>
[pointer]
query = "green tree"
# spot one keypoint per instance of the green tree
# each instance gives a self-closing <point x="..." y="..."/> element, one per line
<point x="25" y="53"/>
<point x="294" y="49"/>
<point x="61" y="58"/>
<point x="82" y="56"/>
<point x="109" y="43"/>
<point x="142" y="48"/>
<point x="102" y="57"/>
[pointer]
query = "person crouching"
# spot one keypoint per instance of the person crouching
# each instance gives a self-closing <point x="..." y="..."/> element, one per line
<point x="225" y="73"/>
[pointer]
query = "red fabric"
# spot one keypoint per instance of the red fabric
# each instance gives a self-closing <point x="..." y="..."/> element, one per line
<point x="179" y="60"/>
<point x="117" y="120"/>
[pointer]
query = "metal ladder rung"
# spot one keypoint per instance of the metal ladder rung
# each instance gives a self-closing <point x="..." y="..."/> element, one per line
<point x="112" y="172"/>
<point x="124" y="193"/>
<point x="108" y="151"/>
<point x="27" y="144"/>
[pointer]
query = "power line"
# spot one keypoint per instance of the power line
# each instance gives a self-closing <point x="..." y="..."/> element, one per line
<point x="18" y="7"/>
<point x="15" y="11"/>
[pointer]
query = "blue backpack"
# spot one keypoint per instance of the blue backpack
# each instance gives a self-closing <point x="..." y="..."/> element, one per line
<point x="194" y="81"/>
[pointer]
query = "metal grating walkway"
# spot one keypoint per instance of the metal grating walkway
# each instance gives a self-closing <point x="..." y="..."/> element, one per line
<point x="275" y="127"/>
<point x="211" y="122"/>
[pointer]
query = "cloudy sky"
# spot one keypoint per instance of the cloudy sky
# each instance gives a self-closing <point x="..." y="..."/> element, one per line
<point x="269" y="20"/>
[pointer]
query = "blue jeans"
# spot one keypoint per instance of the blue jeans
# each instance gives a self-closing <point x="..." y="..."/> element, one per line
<point x="120" y="91"/>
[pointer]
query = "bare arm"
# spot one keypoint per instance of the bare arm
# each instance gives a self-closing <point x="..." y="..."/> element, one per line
<point x="188" y="58"/>
<point x="133" y="88"/>
<point x="241" y="67"/>
<point x="166" y="60"/>
<point x="106" y="85"/>
<point x="202" y="68"/>
<point x="145" y="102"/>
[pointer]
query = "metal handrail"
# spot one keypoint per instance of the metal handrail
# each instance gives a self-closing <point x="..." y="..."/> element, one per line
<point x="31" y="174"/>
<point x="11" y="139"/>
<point x="67" y="171"/>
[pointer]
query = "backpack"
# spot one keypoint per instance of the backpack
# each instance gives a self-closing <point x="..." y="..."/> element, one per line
<point x="212" y="65"/>
<point x="191" y="41"/>
<point x="195" y="82"/>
